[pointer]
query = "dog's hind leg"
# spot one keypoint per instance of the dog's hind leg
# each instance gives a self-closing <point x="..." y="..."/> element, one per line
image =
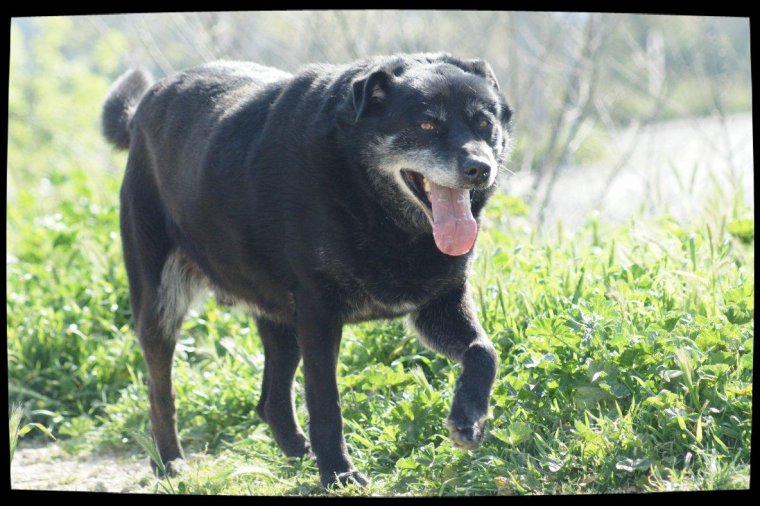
<point x="449" y="326"/>
<point x="160" y="292"/>
<point x="158" y="329"/>
<point x="275" y="406"/>
<point x="158" y="352"/>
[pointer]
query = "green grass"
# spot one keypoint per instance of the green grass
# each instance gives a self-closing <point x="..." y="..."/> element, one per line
<point x="626" y="361"/>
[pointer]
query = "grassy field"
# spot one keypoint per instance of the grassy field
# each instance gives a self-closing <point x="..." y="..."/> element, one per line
<point x="626" y="359"/>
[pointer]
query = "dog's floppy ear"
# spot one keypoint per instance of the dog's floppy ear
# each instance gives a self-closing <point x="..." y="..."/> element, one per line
<point x="481" y="68"/>
<point x="370" y="89"/>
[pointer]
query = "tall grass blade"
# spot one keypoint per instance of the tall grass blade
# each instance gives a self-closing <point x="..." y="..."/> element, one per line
<point x="14" y="425"/>
<point x="147" y="444"/>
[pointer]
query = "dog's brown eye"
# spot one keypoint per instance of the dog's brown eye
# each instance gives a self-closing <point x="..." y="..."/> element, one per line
<point x="484" y="123"/>
<point x="427" y="125"/>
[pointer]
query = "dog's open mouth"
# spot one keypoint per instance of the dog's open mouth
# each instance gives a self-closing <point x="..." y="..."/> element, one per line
<point x="420" y="187"/>
<point x="454" y="227"/>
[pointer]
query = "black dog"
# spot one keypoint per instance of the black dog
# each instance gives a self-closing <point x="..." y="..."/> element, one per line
<point x="339" y="194"/>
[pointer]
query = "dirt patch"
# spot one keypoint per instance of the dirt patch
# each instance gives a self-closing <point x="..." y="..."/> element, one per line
<point x="50" y="467"/>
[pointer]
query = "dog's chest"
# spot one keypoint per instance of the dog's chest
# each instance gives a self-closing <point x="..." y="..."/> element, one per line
<point x="369" y="290"/>
<point x="362" y="308"/>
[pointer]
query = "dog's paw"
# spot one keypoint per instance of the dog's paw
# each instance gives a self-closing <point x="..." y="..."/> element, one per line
<point x="171" y="469"/>
<point x="176" y="467"/>
<point x="465" y="434"/>
<point x="296" y="447"/>
<point x="342" y="479"/>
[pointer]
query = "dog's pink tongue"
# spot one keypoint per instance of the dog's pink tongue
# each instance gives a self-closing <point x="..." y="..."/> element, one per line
<point x="454" y="228"/>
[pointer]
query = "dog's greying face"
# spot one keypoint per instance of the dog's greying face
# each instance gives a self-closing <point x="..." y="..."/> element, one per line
<point x="434" y="133"/>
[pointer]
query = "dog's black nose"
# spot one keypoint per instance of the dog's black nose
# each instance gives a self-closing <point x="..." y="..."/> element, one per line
<point x="476" y="171"/>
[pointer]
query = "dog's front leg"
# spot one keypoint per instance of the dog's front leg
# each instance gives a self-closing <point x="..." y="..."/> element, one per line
<point x="319" y="334"/>
<point x="449" y="326"/>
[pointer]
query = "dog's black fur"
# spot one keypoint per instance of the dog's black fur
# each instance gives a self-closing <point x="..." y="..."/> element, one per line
<point x="276" y="190"/>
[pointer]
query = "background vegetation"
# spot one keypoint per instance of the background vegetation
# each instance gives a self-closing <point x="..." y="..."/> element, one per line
<point x="626" y="350"/>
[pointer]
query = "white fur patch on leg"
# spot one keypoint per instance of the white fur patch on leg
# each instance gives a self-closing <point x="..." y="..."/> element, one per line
<point x="180" y="285"/>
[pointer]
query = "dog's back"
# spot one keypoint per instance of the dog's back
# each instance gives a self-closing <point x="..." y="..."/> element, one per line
<point x="182" y="111"/>
<point x="187" y="147"/>
<point x="235" y="160"/>
<point x="127" y="91"/>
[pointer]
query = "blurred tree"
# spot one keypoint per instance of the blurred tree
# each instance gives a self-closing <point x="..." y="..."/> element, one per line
<point x="573" y="79"/>
<point x="59" y="74"/>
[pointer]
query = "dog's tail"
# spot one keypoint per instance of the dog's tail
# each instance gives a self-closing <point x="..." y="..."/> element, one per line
<point x="120" y="105"/>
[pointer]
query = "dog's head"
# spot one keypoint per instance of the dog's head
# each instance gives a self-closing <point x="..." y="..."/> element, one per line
<point x="433" y="131"/>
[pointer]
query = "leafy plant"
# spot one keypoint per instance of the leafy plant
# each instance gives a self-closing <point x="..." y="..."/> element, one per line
<point x="15" y="430"/>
